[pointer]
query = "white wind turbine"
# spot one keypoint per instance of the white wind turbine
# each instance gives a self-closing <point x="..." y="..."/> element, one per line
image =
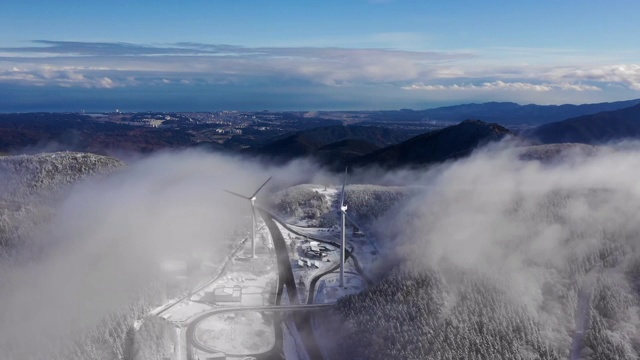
<point x="252" y="199"/>
<point x="343" y="246"/>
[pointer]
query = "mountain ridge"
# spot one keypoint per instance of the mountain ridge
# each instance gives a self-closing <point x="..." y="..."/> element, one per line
<point x="592" y="129"/>
<point x="506" y="113"/>
<point x="436" y="146"/>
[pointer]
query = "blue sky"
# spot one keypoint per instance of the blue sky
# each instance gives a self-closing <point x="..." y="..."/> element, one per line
<point x="350" y="54"/>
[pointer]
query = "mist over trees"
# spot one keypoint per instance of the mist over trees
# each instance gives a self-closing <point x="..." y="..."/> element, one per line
<point x="302" y="202"/>
<point x="366" y="202"/>
<point x="84" y="260"/>
<point x="30" y="183"/>
<point x="509" y="259"/>
<point x="494" y="257"/>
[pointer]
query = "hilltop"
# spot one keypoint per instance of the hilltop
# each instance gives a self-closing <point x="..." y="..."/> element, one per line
<point x="436" y="146"/>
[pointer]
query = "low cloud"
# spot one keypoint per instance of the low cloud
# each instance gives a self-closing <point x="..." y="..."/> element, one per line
<point x="216" y="63"/>
<point x="501" y="85"/>
<point x="461" y="75"/>
<point x="108" y="239"/>
<point x="522" y="222"/>
<point x="67" y="76"/>
<point x="624" y="74"/>
<point x="539" y="230"/>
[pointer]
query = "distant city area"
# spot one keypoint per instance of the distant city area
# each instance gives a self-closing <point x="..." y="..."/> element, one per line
<point x="220" y="126"/>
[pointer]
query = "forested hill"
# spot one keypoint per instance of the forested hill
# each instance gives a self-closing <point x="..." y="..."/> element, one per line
<point x="331" y="145"/>
<point x="28" y="182"/>
<point x="591" y="129"/>
<point x="577" y="297"/>
<point x="418" y="315"/>
<point x="75" y="132"/>
<point x="436" y="146"/>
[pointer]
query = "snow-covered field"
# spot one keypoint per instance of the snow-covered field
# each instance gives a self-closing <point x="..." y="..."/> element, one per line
<point x="237" y="333"/>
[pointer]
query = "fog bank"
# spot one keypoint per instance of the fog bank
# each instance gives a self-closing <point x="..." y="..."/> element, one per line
<point x="109" y="238"/>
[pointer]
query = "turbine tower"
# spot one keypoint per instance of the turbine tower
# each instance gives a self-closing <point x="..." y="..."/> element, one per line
<point x="252" y="199"/>
<point x="343" y="246"/>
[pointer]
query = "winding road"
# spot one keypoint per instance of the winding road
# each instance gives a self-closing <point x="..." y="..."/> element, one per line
<point x="300" y="313"/>
<point x="301" y="320"/>
<point x="194" y="322"/>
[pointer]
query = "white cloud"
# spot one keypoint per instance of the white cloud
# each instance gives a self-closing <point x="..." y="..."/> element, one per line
<point x="625" y="74"/>
<point x="111" y="65"/>
<point x="224" y="63"/>
<point x="67" y="76"/>
<point x="501" y="85"/>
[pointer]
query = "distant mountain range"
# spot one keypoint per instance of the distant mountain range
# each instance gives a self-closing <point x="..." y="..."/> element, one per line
<point x="591" y="129"/>
<point x="362" y="146"/>
<point x="506" y="113"/>
<point x="388" y="144"/>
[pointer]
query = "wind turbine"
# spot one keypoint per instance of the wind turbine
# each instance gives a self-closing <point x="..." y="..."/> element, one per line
<point x="252" y="199"/>
<point x="343" y="246"/>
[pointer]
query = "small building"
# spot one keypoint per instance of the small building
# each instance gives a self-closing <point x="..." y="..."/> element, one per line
<point x="315" y="254"/>
<point x="227" y="294"/>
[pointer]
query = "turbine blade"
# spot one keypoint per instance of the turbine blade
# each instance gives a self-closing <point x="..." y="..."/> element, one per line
<point x="344" y="183"/>
<point x="260" y="188"/>
<point x="238" y="195"/>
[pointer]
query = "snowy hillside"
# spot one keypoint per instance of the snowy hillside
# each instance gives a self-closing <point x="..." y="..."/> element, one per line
<point x="307" y="203"/>
<point x="316" y="205"/>
<point x="28" y="182"/>
<point x="368" y="202"/>
<point x="563" y="283"/>
<point x="36" y="175"/>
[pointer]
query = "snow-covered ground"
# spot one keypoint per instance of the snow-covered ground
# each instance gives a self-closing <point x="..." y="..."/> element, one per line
<point x="185" y="310"/>
<point x="292" y="345"/>
<point x="237" y="333"/>
<point x="329" y="290"/>
<point x="305" y="267"/>
<point x="257" y="279"/>
<point x="363" y="247"/>
<point x="248" y="332"/>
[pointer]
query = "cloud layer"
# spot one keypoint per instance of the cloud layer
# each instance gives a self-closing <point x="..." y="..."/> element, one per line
<point x="382" y="75"/>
